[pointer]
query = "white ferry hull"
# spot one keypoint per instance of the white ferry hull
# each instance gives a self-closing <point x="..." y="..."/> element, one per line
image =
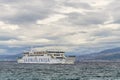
<point x="41" y="60"/>
<point x="45" y="57"/>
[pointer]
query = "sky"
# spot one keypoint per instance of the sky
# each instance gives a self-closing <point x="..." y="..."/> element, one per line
<point x="75" y="26"/>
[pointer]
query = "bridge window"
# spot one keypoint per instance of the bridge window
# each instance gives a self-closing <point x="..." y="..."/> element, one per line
<point x="56" y="54"/>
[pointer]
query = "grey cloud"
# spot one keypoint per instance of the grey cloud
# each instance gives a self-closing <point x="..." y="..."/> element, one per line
<point x="114" y="10"/>
<point x="78" y="5"/>
<point x="104" y="33"/>
<point x="5" y="38"/>
<point x="24" y="18"/>
<point x="88" y="19"/>
<point x="39" y="9"/>
<point x="28" y="11"/>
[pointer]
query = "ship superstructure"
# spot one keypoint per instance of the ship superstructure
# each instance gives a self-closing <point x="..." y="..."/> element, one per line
<point x="45" y="57"/>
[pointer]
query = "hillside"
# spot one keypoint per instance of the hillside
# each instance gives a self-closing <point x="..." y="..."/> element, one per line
<point x="9" y="57"/>
<point x="105" y="55"/>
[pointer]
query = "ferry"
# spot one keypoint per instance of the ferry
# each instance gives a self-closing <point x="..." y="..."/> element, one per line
<point x="46" y="57"/>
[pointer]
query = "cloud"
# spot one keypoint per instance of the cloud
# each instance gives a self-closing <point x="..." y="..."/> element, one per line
<point x="2" y="51"/>
<point x="8" y="27"/>
<point x="90" y="18"/>
<point x="77" y="4"/>
<point x="23" y="13"/>
<point x="52" y="18"/>
<point x="114" y="11"/>
<point x="81" y="26"/>
<point x="98" y="4"/>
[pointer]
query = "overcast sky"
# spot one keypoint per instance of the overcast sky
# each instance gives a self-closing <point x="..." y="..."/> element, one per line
<point x="76" y="26"/>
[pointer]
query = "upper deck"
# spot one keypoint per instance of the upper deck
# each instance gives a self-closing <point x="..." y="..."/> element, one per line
<point x="52" y="53"/>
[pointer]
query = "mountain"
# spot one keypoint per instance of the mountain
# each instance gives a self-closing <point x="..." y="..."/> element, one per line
<point x="9" y="57"/>
<point x="105" y="55"/>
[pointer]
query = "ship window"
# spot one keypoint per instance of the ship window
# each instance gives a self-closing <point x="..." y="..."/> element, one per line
<point x="56" y="54"/>
<point x="48" y="54"/>
<point x="59" y="57"/>
<point x="40" y="54"/>
<point x="62" y="55"/>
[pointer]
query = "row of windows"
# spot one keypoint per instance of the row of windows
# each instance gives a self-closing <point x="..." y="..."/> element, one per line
<point x="47" y="54"/>
<point x="58" y="54"/>
<point x="37" y="60"/>
<point x="39" y="52"/>
<point x="36" y="55"/>
<point x="55" y="52"/>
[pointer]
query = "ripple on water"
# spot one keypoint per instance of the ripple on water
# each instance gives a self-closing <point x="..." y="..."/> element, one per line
<point x="81" y="71"/>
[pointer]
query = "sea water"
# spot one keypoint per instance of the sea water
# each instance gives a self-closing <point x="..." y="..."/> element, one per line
<point x="80" y="71"/>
